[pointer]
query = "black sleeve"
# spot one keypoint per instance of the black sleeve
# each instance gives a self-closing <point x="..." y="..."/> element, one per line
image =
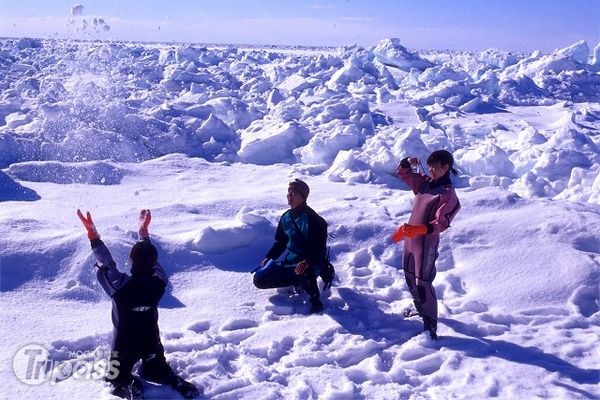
<point x="318" y="240"/>
<point x="280" y="243"/>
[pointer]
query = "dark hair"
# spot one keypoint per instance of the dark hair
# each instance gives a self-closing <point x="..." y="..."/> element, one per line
<point x="143" y="257"/>
<point x="301" y="187"/>
<point x="442" y="157"/>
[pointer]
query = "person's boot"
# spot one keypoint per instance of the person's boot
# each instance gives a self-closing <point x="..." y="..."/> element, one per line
<point x="430" y="325"/>
<point x="187" y="389"/>
<point x="137" y="389"/>
<point x="315" y="305"/>
<point x="122" y="390"/>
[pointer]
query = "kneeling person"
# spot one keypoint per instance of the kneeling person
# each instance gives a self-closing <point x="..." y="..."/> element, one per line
<point x="303" y="233"/>
<point x="135" y="300"/>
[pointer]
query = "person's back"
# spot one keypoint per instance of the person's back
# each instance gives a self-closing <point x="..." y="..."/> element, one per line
<point x="135" y="311"/>
<point x="135" y="299"/>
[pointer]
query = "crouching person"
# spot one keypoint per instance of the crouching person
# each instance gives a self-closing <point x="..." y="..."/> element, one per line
<point x="303" y="233"/>
<point x="135" y="300"/>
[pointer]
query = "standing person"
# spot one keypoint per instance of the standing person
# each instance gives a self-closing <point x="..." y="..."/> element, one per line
<point x="303" y="233"/>
<point x="435" y="205"/>
<point x="135" y="313"/>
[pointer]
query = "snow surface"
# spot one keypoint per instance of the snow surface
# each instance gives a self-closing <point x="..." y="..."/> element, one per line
<point x="207" y="137"/>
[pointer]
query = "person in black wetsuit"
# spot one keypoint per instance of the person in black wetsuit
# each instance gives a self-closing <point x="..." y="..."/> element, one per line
<point x="135" y="300"/>
<point x="303" y="233"/>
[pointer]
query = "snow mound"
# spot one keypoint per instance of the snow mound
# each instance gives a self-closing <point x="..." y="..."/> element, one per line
<point x="13" y="191"/>
<point x="248" y="228"/>
<point x="391" y="52"/>
<point x="91" y="172"/>
<point x="272" y="143"/>
<point x="354" y="112"/>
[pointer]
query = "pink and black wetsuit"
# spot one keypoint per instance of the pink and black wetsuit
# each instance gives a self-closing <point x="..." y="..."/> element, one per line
<point x="435" y="206"/>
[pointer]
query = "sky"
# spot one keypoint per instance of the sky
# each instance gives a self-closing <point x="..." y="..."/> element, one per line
<point x="517" y="25"/>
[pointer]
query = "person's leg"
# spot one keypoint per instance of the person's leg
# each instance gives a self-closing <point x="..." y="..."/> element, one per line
<point x="275" y="277"/>
<point x="156" y="369"/>
<point x="428" y="300"/>
<point x="119" y="373"/>
<point x="425" y="289"/>
<point x="411" y="282"/>
<point x="308" y="282"/>
<point x="154" y="366"/>
<point x="278" y="276"/>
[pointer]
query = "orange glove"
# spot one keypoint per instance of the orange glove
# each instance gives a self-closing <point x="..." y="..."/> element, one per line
<point x="143" y="222"/>
<point x="412" y="231"/>
<point x="87" y="222"/>
<point x="399" y="234"/>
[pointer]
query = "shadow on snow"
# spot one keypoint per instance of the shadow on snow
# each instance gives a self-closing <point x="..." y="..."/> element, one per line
<point x="484" y="348"/>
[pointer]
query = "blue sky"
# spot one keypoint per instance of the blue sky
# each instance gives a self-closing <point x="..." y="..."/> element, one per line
<point x="520" y="25"/>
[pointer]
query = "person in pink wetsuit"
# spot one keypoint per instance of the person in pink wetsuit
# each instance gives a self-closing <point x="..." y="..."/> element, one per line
<point x="435" y="206"/>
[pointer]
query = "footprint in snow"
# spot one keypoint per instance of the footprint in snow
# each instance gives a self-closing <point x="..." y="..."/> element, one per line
<point x="199" y="327"/>
<point x="237" y="330"/>
<point x="236" y="324"/>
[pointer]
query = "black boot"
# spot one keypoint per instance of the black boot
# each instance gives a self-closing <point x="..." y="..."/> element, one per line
<point x="137" y="389"/>
<point x="130" y="391"/>
<point x="122" y="390"/>
<point x="430" y="325"/>
<point x="186" y="389"/>
<point x="315" y="305"/>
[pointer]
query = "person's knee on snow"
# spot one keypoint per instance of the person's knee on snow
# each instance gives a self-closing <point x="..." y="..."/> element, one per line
<point x="259" y="281"/>
<point x="135" y="301"/>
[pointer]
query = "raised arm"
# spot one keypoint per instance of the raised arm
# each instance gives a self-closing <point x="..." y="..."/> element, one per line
<point x="109" y="277"/>
<point x="160" y="273"/>
<point x="143" y="234"/>
<point x="143" y="222"/>
<point x="413" y="179"/>
<point x="99" y="249"/>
